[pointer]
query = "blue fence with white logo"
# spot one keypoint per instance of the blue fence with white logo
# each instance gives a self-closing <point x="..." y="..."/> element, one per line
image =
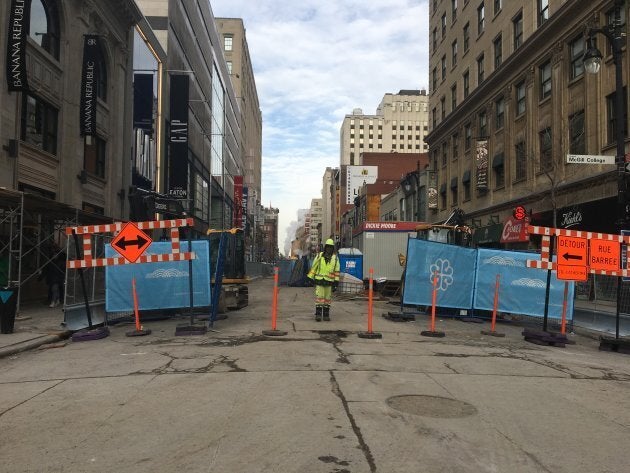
<point x="455" y="269"/>
<point x="466" y="280"/>
<point x="159" y="285"/>
<point x="521" y="289"/>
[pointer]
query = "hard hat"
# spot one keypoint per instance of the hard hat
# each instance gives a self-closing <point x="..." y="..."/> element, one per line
<point x="330" y="242"/>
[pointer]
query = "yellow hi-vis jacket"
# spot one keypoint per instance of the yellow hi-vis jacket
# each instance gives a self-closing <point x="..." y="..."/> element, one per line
<point x="322" y="271"/>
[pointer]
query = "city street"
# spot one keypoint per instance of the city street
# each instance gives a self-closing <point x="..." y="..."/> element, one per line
<point x="319" y="399"/>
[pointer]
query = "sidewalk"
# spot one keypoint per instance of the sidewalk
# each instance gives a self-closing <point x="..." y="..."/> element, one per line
<point x="35" y="325"/>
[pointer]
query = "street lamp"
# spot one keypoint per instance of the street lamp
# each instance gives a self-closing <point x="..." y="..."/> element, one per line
<point x="592" y="63"/>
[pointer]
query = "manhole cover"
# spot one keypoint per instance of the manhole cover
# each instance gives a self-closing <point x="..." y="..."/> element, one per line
<point x="431" y="406"/>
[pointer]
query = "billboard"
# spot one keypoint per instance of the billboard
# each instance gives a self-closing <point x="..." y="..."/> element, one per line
<point x="356" y="177"/>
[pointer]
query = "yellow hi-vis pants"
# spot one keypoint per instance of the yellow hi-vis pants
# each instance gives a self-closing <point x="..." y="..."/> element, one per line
<point x="323" y="295"/>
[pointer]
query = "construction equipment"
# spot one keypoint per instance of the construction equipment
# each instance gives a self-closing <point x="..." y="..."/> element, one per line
<point x="234" y="293"/>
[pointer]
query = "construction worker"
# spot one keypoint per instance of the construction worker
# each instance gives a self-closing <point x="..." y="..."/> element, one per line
<point x="325" y="275"/>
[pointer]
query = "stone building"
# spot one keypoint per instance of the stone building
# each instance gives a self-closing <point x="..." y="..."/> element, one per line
<point x="509" y="101"/>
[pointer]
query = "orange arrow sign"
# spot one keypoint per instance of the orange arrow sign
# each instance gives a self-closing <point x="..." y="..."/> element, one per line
<point x="131" y="242"/>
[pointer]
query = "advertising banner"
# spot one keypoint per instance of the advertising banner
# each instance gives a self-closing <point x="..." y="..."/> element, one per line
<point x="17" y="31"/>
<point x="178" y="138"/>
<point x="89" y="85"/>
<point x="143" y="101"/>
<point x="455" y="269"/>
<point x="356" y="177"/>
<point x="481" y="160"/>
<point x="521" y="289"/>
<point x="238" y="201"/>
<point x="245" y="208"/>
<point x="159" y="285"/>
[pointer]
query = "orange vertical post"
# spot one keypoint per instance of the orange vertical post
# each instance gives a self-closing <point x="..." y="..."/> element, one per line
<point x="433" y="300"/>
<point x="274" y="304"/>
<point x="496" y="303"/>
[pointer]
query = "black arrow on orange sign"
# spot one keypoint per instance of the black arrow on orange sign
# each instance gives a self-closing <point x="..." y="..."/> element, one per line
<point x="570" y="256"/>
<point x="122" y="243"/>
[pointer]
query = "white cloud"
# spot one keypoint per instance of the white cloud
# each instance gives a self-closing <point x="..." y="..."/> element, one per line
<point x="314" y="61"/>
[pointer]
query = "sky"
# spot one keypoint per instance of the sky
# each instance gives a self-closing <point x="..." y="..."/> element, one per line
<point x="315" y="61"/>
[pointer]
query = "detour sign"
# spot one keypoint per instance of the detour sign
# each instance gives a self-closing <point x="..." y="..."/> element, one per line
<point x="604" y="255"/>
<point x="572" y="251"/>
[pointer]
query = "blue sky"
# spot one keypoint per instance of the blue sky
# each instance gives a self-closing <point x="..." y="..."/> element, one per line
<point x="314" y="61"/>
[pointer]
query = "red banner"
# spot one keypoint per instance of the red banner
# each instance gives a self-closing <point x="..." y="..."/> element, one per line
<point x="238" y="201"/>
<point x="514" y="231"/>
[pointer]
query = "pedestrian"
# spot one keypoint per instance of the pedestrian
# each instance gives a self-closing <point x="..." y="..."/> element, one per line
<point x="325" y="275"/>
<point x="55" y="274"/>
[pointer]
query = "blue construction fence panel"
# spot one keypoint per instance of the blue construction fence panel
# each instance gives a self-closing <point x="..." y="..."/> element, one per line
<point x="159" y="285"/>
<point x="455" y="269"/>
<point x="351" y="264"/>
<point x="467" y="278"/>
<point x="521" y="289"/>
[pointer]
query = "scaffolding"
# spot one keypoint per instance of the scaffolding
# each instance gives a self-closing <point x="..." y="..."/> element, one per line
<point x="32" y="235"/>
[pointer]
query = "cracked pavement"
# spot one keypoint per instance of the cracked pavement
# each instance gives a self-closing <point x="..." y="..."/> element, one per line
<point x="316" y="400"/>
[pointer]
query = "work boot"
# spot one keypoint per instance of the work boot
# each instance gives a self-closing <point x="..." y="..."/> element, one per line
<point x="318" y="314"/>
<point x="326" y="311"/>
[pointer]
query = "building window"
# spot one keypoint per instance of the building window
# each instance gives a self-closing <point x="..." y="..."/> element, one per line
<point x="453" y="97"/>
<point x="545" y="80"/>
<point x="443" y="197"/>
<point x="497" y="6"/>
<point x="517" y="25"/>
<point x="483" y="125"/>
<point x="466" y="37"/>
<point x="577" y="143"/>
<point x="44" y="25"/>
<point x="454" y="195"/>
<point x="498" y="51"/>
<point x="520" y="171"/>
<point x="612" y="118"/>
<point x="455" y="146"/>
<point x="466" y="190"/>
<point x="433" y="79"/>
<point x="481" y="18"/>
<point x="466" y="84"/>
<point x="39" y="123"/>
<point x="576" y="50"/>
<point x="94" y="157"/>
<point x="229" y="66"/>
<point x="546" y="158"/>
<point x="101" y="87"/>
<point x="434" y="39"/>
<point x="434" y="116"/>
<point x="454" y="53"/>
<point x="498" y="169"/>
<point x="480" y="70"/>
<point x="443" y="106"/>
<point x="227" y="42"/>
<point x="444" y="154"/>
<point x="453" y="10"/>
<point x="443" y="23"/>
<point x="467" y="136"/>
<point x="202" y="198"/>
<point x="520" y="98"/>
<point x="444" y="67"/>
<point x="499" y="113"/>
<point x="543" y="11"/>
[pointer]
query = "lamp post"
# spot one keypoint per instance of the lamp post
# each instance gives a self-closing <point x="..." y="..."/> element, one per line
<point x="592" y="63"/>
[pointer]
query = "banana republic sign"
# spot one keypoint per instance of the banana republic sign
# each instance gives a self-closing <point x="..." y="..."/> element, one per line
<point x="16" y="44"/>
<point x="89" y="84"/>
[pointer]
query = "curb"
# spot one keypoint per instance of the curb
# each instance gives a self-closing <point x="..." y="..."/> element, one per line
<point x="34" y="343"/>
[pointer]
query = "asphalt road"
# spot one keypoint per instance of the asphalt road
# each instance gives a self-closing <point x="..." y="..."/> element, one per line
<point x="319" y="399"/>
